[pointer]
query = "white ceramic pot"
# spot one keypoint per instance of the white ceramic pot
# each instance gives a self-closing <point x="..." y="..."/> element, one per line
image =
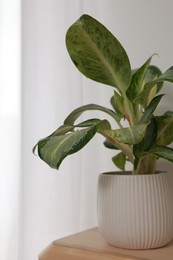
<point x="136" y="211"/>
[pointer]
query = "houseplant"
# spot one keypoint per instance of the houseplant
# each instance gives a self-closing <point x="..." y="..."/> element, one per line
<point x="99" y="56"/>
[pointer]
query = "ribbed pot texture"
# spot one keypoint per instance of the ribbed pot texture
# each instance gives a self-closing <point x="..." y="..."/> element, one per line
<point x="135" y="211"/>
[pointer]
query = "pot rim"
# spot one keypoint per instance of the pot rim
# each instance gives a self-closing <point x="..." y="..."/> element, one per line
<point x="129" y="173"/>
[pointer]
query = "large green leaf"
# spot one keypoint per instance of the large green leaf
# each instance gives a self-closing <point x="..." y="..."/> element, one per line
<point x="73" y="116"/>
<point x="54" y="149"/>
<point x="162" y="152"/>
<point x="128" y="135"/>
<point x="97" y="53"/>
<point x="62" y="130"/>
<point x="165" y="129"/>
<point x="137" y="82"/>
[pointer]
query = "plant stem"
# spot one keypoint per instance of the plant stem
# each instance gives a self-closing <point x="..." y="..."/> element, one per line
<point x="125" y="148"/>
<point x="146" y="165"/>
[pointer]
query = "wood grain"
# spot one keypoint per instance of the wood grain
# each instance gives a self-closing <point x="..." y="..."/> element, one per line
<point x="90" y="245"/>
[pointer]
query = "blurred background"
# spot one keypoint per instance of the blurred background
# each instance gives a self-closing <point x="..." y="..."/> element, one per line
<point x="39" y="86"/>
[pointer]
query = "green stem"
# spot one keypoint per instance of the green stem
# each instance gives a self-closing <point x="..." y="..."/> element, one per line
<point x="126" y="149"/>
<point x="146" y="165"/>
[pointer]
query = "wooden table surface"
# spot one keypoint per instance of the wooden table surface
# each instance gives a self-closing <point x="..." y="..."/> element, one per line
<point x="89" y="244"/>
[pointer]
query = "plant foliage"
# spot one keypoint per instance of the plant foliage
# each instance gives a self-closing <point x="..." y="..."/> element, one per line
<point x="98" y="55"/>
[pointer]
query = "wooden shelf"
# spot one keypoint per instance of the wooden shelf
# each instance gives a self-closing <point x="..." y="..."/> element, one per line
<point x="90" y="245"/>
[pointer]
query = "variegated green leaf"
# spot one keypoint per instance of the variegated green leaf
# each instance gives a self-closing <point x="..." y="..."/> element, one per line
<point x="89" y="122"/>
<point x="128" y="135"/>
<point x="150" y="109"/>
<point x="137" y="82"/>
<point x="97" y="53"/>
<point x="149" y="92"/>
<point x="166" y="76"/>
<point x="104" y="125"/>
<point x="54" y="149"/>
<point x="120" y="160"/>
<point x="149" y="139"/>
<point x="165" y="129"/>
<point x="153" y="73"/>
<point x="73" y="116"/>
<point x="162" y="152"/>
<point x="117" y="102"/>
<point x="62" y="130"/>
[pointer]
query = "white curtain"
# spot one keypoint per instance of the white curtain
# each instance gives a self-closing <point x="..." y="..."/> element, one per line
<point x="10" y="129"/>
<point x="38" y="204"/>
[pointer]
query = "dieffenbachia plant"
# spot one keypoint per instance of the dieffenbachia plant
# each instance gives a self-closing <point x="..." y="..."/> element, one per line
<point x="98" y="55"/>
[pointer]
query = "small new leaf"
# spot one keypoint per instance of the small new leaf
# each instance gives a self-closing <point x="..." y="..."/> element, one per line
<point x="136" y="84"/>
<point x="120" y="160"/>
<point x="117" y="103"/>
<point x="149" y="91"/>
<point x="109" y="145"/>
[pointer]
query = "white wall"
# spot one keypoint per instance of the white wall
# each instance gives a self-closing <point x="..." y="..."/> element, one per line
<point x="56" y="204"/>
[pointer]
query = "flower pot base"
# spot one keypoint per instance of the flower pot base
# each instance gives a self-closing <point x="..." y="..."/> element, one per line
<point x="136" y="211"/>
